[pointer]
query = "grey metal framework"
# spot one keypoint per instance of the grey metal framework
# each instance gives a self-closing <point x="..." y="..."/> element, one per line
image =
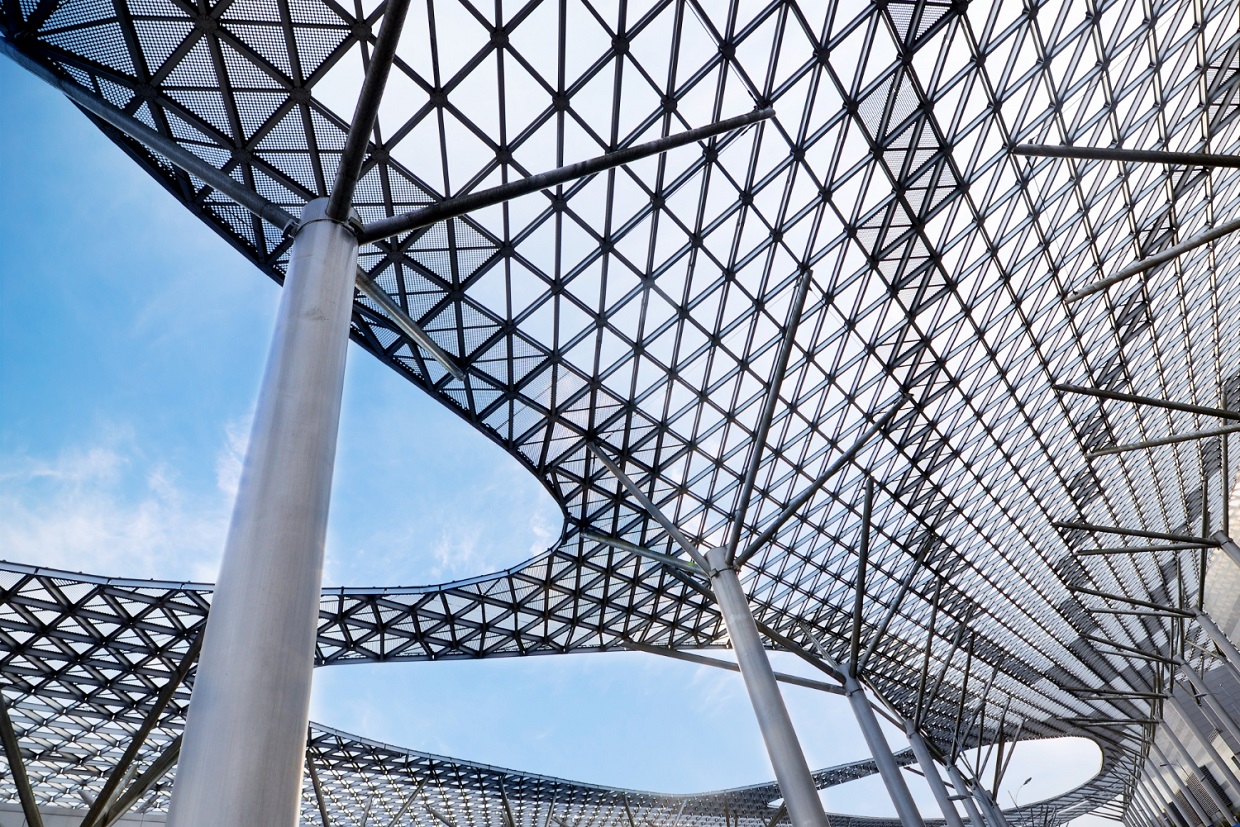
<point x="868" y="286"/>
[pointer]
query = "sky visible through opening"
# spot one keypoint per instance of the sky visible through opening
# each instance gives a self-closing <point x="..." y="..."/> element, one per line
<point x="132" y="340"/>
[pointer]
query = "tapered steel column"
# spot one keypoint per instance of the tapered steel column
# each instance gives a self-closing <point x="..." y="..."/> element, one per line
<point x="1224" y="768"/>
<point x="906" y="810"/>
<point x="1190" y="767"/>
<point x="1221" y="640"/>
<point x="791" y="771"/>
<point x="990" y="806"/>
<point x="245" y="737"/>
<point x="1189" y="798"/>
<point x="966" y="797"/>
<point x="930" y="770"/>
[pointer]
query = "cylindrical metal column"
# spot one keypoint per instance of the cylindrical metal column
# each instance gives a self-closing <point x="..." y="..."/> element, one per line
<point x="1189" y="798"/>
<point x="888" y="770"/>
<point x="245" y="737"/>
<point x="1224" y="768"/>
<point x="962" y="790"/>
<point x="1221" y="640"/>
<point x="1160" y="814"/>
<point x="791" y="771"/>
<point x="931" y="771"/>
<point x="1190" y="767"/>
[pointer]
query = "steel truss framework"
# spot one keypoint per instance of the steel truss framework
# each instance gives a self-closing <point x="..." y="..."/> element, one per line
<point x="640" y="311"/>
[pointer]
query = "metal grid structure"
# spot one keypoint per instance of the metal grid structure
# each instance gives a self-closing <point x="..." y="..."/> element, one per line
<point x="640" y="312"/>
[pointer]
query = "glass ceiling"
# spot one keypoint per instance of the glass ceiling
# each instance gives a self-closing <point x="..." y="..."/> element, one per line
<point x="640" y="311"/>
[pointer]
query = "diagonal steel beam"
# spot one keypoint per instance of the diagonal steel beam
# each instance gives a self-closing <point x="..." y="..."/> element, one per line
<point x="703" y="660"/>
<point x="462" y="204"/>
<point x="795" y="504"/>
<point x="863" y="562"/>
<point x="1134" y="532"/>
<point x="1166" y="440"/>
<point x="1171" y="610"/>
<point x="625" y="545"/>
<point x="1137" y="399"/>
<point x="368" y="288"/>
<point x="1147" y="156"/>
<point x="144" y="783"/>
<point x="318" y="788"/>
<point x="341" y="199"/>
<point x="17" y="766"/>
<point x="118" y="775"/>
<point x="768" y="411"/>
<point x="652" y="509"/>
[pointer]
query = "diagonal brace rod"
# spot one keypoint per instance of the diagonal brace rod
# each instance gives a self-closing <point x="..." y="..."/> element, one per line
<point x="1136" y="532"/>
<point x="139" y="738"/>
<point x="17" y="766"/>
<point x="1165" y="440"/>
<point x="651" y="508"/>
<point x="1098" y="153"/>
<point x="367" y="111"/>
<point x="768" y="412"/>
<point x="1147" y="400"/>
<point x="805" y="496"/>
<point x="143" y="783"/>
<point x="462" y="204"/>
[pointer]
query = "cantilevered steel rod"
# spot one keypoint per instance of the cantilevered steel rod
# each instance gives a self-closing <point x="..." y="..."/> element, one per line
<point x="1165" y="440"/>
<point x="462" y="204"/>
<point x="139" y="738"/>
<point x="703" y="660"/>
<point x="1150" y="262"/>
<point x="625" y="545"/>
<point x="1137" y="532"/>
<point x="1171" y="610"/>
<point x="1139" y="549"/>
<point x="794" y="505"/>
<point x="652" y="509"/>
<point x="905" y="584"/>
<point x="768" y="412"/>
<point x="341" y="199"/>
<point x="17" y="766"/>
<point x="368" y="288"/>
<point x="1149" y="156"/>
<point x="1147" y="400"/>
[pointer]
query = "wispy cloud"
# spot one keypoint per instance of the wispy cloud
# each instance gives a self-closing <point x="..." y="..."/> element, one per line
<point x="107" y="508"/>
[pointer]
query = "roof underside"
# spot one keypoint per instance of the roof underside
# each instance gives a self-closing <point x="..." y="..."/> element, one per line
<point x="641" y="311"/>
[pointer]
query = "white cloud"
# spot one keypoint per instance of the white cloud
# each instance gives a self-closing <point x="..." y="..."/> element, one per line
<point x="108" y="509"/>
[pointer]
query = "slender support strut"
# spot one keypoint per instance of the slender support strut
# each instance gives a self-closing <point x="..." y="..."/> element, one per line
<point x="791" y="771"/>
<point x="1188" y="796"/>
<point x="1148" y="156"/>
<point x="462" y="204"/>
<point x="1190" y="766"/>
<point x="1224" y="718"/>
<point x="17" y="766"/>
<point x="1174" y="439"/>
<point x="1201" y="410"/>
<point x="367" y="110"/>
<point x="143" y="784"/>
<point x="245" y="736"/>
<point x="1224" y="644"/>
<point x="928" y="769"/>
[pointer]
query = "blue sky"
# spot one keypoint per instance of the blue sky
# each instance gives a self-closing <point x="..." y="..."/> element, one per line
<point x="131" y="345"/>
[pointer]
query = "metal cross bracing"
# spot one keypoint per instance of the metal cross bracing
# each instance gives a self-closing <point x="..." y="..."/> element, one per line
<point x="84" y="656"/>
<point x="640" y="311"/>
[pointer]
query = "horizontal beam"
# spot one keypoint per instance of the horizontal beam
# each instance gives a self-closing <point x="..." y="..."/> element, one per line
<point x="1144" y="156"/>
<point x="1166" y="440"/>
<point x="462" y="204"/>
<point x="1201" y="410"/>
<point x="703" y="660"/>
<point x="1137" y="532"/>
